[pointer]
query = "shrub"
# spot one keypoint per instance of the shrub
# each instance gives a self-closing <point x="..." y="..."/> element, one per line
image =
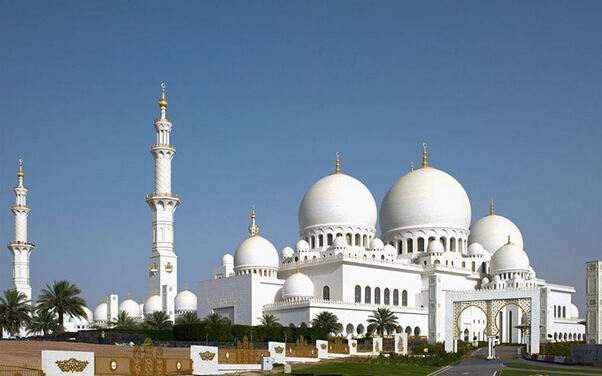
<point x="260" y="333"/>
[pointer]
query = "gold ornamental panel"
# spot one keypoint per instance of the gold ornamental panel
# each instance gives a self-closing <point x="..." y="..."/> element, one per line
<point x="243" y="353"/>
<point x="338" y="347"/>
<point x="72" y="365"/>
<point x="301" y="349"/>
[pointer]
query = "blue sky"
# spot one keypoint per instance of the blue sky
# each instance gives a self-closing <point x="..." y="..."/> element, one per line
<point x="508" y="95"/>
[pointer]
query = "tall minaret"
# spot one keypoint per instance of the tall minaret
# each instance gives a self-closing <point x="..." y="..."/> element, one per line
<point x="20" y="247"/>
<point x="163" y="273"/>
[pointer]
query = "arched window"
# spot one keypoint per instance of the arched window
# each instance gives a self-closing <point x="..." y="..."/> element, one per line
<point x="420" y="244"/>
<point x="399" y="247"/>
<point x="365" y="241"/>
<point x="444" y="243"/>
<point x="367" y="295"/>
<point x="410" y="245"/>
<point x="452" y="244"/>
<point x="474" y="266"/>
<point x="326" y="293"/>
<point x="358" y="294"/>
<point x="313" y="242"/>
<point x="329" y="239"/>
<point x="386" y="297"/>
<point x="463" y="264"/>
<point x="377" y="295"/>
<point x="416" y="331"/>
<point x="348" y="238"/>
<point x="408" y="330"/>
<point x="404" y="298"/>
<point x="484" y="268"/>
<point x="321" y="240"/>
<point x="564" y="313"/>
<point x="357" y="239"/>
<point x="395" y="297"/>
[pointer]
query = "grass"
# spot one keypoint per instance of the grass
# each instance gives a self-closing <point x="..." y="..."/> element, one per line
<point x="553" y="368"/>
<point x="357" y="369"/>
<point x="534" y="373"/>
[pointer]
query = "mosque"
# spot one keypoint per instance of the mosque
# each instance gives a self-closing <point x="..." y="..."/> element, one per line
<point x="427" y="249"/>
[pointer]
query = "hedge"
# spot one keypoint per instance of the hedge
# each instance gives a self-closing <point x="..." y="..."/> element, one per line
<point x="154" y="334"/>
<point x="229" y="333"/>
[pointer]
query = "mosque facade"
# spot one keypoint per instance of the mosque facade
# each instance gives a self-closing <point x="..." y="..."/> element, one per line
<point x="428" y="247"/>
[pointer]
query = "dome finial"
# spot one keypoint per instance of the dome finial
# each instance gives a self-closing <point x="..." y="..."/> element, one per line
<point x="253" y="229"/>
<point x="185" y="287"/>
<point x="424" y="162"/>
<point x="491" y="208"/>
<point x="411" y="166"/>
<point x="509" y="241"/>
<point x="337" y="166"/>
<point x="162" y="101"/>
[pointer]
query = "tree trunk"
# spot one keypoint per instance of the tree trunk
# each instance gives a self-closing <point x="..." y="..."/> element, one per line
<point x="61" y="326"/>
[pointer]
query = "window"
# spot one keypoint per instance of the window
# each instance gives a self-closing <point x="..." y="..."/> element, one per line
<point x="313" y="242"/>
<point x="473" y="266"/>
<point x="563" y="312"/>
<point x="408" y="331"/>
<point x="444" y="243"/>
<point x="357" y="239"/>
<point x="367" y="295"/>
<point x="377" y="295"/>
<point x="396" y="297"/>
<point x="348" y="238"/>
<point x="420" y="244"/>
<point x="326" y="293"/>
<point x="416" y="331"/>
<point x="358" y="294"/>
<point x="410" y="245"/>
<point x="404" y="298"/>
<point x="321" y="240"/>
<point x="386" y="297"/>
<point x="365" y="241"/>
<point x="399" y="247"/>
<point x="329" y="239"/>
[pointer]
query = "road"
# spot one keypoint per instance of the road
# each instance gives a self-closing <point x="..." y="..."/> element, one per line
<point x="477" y="364"/>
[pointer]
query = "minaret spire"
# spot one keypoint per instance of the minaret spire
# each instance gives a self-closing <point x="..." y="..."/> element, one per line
<point x="491" y="207"/>
<point x="424" y="161"/>
<point x="163" y="274"/>
<point x="337" y="165"/>
<point x="253" y="228"/>
<point x="20" y="247"/>
<point x="411" y="166"/>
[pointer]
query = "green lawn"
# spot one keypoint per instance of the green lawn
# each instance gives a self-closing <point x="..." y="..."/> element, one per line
<point x="535" y="373"/>
<point x="544" y="367"/>
<point x="357" y="369"/>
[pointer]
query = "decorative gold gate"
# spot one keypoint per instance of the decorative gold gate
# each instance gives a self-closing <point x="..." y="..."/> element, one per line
<point x="243" y="353"/>
<point x="491" y="308"/>
<point x="338" y="347"/>
<point x="301" y="349"/>
<point x="145" y="361"/>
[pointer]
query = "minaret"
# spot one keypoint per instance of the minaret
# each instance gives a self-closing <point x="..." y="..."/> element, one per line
<point x="163" y="262"/>
<point x="20" y="247"/>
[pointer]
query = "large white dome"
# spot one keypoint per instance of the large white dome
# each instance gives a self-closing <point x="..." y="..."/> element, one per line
<point x="492" y="232"/>
<point x="89" y="314"/>
<point x="256" y="252"/>
<point x="298" y="286"/>
<point x="153" y="304"/>
<point x="101" y="312"/>
<point x="337" y="199"/>
<point x="425" y="197"/>
<point x="131" y="308"/>
<point x="509" y="258"/>
<point x="186" y="301"/>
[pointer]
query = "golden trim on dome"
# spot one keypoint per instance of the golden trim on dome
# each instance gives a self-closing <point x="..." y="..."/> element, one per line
<point x="424" y="156"/>
<point x="20" y="173"/>
<point x="337" y="166"/>
<point x="491" y="207"/>
<point x="162" y="101"/>
<point x="509" y="241"/>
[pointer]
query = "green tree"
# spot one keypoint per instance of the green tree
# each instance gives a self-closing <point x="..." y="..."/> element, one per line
<point x="188" y="318"/>
<point x="62" y="297"/>
<point x="14" y="311"/>
<point x="327" y="320"/>
<point x="267" y="319"/>
<point x="44" y="322"/>
<point x="382" y="320"/>
<point x="124" y="321"/>
<point x="157" y="320"/>
<point x="216" y="318"/>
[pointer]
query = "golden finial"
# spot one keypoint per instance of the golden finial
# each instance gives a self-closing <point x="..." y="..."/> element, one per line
<point x="424" y="162"/>
<point x="20" y="173"/>
<point x="162" y="101"/>
<point x="253" y="216"/>
<point x="253" y="228"/>
<point x="142" y="300"/>
<point x="185" y="287"/>
<point x="337" y="166"/>
<point x="129" y="296"/>
<point x="104" y="300"/>
<point x="411" y="166"/>
<point x="509" y="241"/>
<point x="491" y="208"/>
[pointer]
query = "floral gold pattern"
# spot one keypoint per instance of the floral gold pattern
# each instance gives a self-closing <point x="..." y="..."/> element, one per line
<point x="72" y="365"/>
<point x="323" y="346"/>
<point x="207" y="355"/>
<point x="279" y="349"/>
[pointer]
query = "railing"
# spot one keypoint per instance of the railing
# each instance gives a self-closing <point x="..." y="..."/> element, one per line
<point x="338" y="347"/>
<point x="301" y="349"/>
<point x="20" y="207"/>
<point x="243" y="353"/>
<point x="8" y="370"/>
<point x="160" y="194"/>
<point x="364" y="347"/>
<point x="394" y="308"/>
<point x="20" y="242"/>
<point x="162" y="119"/>
<point x="158" y="146"/>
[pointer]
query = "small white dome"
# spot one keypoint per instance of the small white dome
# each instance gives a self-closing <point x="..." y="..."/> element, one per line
<point x="186" y="301"/>
<point x="153" y="304"/>
<point x="376" y="244"/>
<point x="302" y="246"/>
<point x="435" y="246"/>
<point x="287" y="252"/>
<point x="573" y="311"/>
<point x="496" y="278"/>
<point x="337" y="199"/>
<point x="227" y="260"/>
<point x="298" y="285"/>
<point x="492" y="232"/>
<point x="426" y="197"/>
<point x="475" y="249"/>
<point x="130" y="307"/>
<point x="390" y="250"/>
<point x="101" y="312"/>
<point x="256" y="252"/>
<point x="509" y="258"/>
<point x="484" y="281"/>
<point x="339" y="242"/>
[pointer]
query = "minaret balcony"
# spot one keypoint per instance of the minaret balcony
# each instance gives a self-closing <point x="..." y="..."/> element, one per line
<point x="18" y="242"/>
<point x="158" y="120"/>
<point x="163" y="146"/>
<point x="20" y="207"/>
<point x="163" y="195"/>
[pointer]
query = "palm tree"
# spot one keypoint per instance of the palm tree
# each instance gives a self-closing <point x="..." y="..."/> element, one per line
<point x="216" y="318"/>
<point x="267" y="319"/>
<point x="124" y="321"/>
<point x="327" y="320"/>
<point x="43" y="321"/>
<point x="157" y="320"/>
<point x="188" y="318"/>
<point x="382" y="320"/>
<point x="62" y="298"/>
<point x="14" y="312"/>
